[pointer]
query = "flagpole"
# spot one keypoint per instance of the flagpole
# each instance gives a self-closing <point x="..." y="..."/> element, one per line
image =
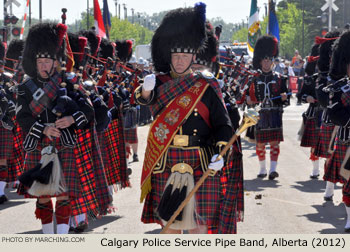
<point x="87" y="16"/>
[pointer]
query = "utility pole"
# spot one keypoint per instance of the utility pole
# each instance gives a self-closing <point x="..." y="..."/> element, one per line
<point x="40" y="11"/>
<point x="330" y="3"/>
<point x="116" y="7"/>
<point x="303" y="35"/>
<point x="125" y="12"/>
<point x="5" y="26"/>
<point x="119" y="11"/>
<point x="30" y="13"/>
<point x="132" y="12"/>
<point x="87" y="16"/>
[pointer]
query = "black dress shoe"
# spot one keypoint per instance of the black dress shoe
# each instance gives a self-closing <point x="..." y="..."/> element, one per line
<point x="314" y="176"/>
<point x="273" y="175"/>
<point x="263" y="175"/>
<point x="329" y="198"/>
<point x="347" y="230"/>
<point x="82" y="226"/>
<point x="135" y="158"/>
<point x="3" y="199"/>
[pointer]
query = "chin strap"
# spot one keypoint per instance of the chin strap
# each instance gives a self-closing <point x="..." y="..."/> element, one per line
<point x="189" y="66"/>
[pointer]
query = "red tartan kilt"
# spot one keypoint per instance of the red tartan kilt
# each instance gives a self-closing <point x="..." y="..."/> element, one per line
<point x="131" y="135"/>
<point x="332" y="167"/>
<point x="68" y="165"/>
<point x="324" y="138"/>
<point x="208" y="196"/>
<point x="311" y="133"/>
<point x="267" y="136"/>
<point x="11" y="150"/>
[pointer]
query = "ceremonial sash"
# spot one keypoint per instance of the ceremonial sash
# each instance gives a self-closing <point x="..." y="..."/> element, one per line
<point x="165" y="127"/>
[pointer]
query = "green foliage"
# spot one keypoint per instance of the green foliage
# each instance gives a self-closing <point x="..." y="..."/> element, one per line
<point x="240" y="35"/>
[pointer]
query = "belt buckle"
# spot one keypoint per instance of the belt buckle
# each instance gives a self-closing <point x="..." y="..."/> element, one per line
<point x="181" y="140"/>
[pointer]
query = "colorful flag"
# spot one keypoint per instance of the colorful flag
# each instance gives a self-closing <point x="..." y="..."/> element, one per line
<point x="254" y="31"/>
<point x="100" y="29"/>
<point x="106" y="17"/>
<point x="273" y="28"/>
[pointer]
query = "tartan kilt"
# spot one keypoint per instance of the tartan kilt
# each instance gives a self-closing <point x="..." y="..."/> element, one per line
<point x="68" y="165"/>
<point x="311" y="134"/>
<point x="131" y="135"/>
<point x="15" y="164"/>
<point x="332" y="167"/>
<point x="87" y="203"/>
<point x="232" y="207"/>
<point x="208" y="196"/>
<point x="6" y="149"/>
<point x="267" y="136"/>
<point x="324" y="138"/>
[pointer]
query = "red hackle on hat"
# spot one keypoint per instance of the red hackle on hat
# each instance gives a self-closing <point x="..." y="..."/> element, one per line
<point x="275" y="46"/>
<point x="62" y="29"/>
<point x="129" y="43"/>
<point x="82" y="44"/>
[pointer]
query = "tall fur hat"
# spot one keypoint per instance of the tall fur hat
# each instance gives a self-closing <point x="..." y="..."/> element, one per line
<point x="124" y="50"/>
<point x="14" y="51"/>
<point x="44" y="40"/>
<point x="77" y="44"/>
<point x="311" y="66"/>
<point x="107" y="49"/>
<point x="266" y="46"/>
<point x="181" y="30"/>
<point x="340" y="56"/>
<point x="207" y="55"/>
<point x="94" y="41"/>
<point x="326" y="51"/>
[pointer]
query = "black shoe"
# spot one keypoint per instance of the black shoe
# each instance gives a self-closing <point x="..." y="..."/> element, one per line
<point x="135" y="158"/>
<point x="329" y="198"/>
<point x="262" y="175"/>
<point x="273" y="175"/>
<point x="347" y="230"/>
<point x="314" y="176"/>
<point x="3" y="199"/>
<point x="82" y="226"/>
<point x="128" y="171"/>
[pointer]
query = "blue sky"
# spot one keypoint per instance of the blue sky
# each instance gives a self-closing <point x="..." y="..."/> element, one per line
<point x="229" y="10"/>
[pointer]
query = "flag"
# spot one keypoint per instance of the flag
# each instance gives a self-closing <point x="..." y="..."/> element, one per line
<point x="254" y="31"/>
<point x="106" y="17"/>
<point x="100" y="29"/>
<point x="273" y="28"/>
<point x="70" y="56"/>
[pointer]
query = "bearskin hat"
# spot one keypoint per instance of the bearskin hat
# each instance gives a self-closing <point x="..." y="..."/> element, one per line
<point x="340" y="56"/>
<point x="94" y="41"/>
<point x="14" y="51"/>
<point x="124" y="50"/>
<point x="311" y="65"/>
<point x="44" y="40"/>
<point x="207" y="55"/>
<point x="77" y="44"/>
<point x="326" y="51"/>
<point x="266" y="46"/>
<point x="107" y="49"/>
<point x="181" y="30"/>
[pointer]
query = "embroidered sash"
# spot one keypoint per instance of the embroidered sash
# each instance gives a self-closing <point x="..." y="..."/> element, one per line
<point x="165" y="127"/>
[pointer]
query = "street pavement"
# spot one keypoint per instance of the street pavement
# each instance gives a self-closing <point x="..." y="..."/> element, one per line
<point x="291" y="204"/>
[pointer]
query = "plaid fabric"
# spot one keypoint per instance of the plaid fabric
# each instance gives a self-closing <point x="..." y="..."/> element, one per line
<point x="266" y="136"/>
<point x="131" y="136"/>
<point x="50" y="90"/>
<point x="175" y="87"/>
<point x="324" y="138"/>
<point x="232" y="207"/>
<point x="208" y="197"/>
<point x="332" y="166"/>
<point x="311" y="134"/>
<point x="101" y="187"/>
<point x="345" y="99"/>
<point x="87" y="203"/>
<point x="68" y="165"/>
<point x="15" y="164"/>
<point x="116" y="173"/>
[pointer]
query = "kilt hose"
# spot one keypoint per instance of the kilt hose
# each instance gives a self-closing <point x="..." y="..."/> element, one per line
<point x="68" y="165"/>
<point x="114" y="154"/>
<point x="311" y="134"/>
<point x="131" y="135"/>
<point x="332" y="166"/>
<point x="11" y="150"/>
<point x="208" y="197"/>
<point x="324" y="138"/>
<point x="232" y="206"/>
<point x="267" y="136"/>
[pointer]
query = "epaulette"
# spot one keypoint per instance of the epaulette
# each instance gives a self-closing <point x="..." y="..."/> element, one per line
<point x="206" y="75"/>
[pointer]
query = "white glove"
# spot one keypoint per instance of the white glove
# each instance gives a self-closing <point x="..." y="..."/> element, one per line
<point x="149" y="82"/>
<point x="217" y="166"/>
